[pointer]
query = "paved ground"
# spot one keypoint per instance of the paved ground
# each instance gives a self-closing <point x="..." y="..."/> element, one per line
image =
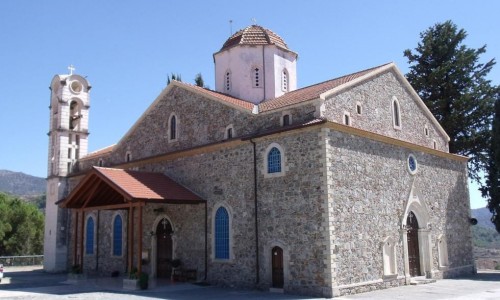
<point x="33" y="283"/>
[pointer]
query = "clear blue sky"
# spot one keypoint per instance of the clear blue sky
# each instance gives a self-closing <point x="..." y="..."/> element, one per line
<point x="127" y="49"/>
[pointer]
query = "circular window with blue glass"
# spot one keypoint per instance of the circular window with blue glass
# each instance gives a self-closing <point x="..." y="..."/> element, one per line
<point x="412" y="164"/>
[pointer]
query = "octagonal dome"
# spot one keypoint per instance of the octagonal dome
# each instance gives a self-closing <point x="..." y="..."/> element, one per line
<point x="254" y="35"/>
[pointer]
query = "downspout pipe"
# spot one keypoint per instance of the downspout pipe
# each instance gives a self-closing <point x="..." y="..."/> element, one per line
<point x="257" y="263"/>
<point x="206" y="241"/>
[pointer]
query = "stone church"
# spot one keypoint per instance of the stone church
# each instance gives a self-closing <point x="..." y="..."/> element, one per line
<point x="336" y="188"/>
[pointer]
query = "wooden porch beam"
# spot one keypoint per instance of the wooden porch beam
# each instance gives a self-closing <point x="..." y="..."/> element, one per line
<point x="82" y="215"/>
<point x="115" y="206"/>
<point x="75" y="236"/>
<point x="130" y="234"/>
<point x="91" y="193"/>
<point x="139" y="251"/>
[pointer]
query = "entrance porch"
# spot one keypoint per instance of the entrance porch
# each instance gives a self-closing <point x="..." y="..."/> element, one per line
<point x="162" y="221"/>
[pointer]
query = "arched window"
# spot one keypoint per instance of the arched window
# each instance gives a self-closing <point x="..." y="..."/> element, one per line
<point x="128" y="156"/>
<point x="221" y="234"/>
<point x="117" y="235"/>
<point x="284" y="80"/>
<point x="442" y="247"/>
<point x="347" y="119"/>
<point x="256" y="77"/>
<point x="396" y="113"/>
<point x="389" y="256"/>
<point x="286" y="120"/>
<point x="173" y="127"/>
<point x="74" y="115"/>
<point x="100" y="163"/>
<point x="227" y="81"/>
<point x="229" y="133"/>
<point x="89" y="238"/>
<point x="274" y="161"/>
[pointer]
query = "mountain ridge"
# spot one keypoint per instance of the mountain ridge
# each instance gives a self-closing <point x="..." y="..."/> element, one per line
<point x="21" y="184"/>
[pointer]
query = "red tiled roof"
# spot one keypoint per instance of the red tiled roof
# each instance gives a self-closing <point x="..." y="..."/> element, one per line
<point x="147" y="185"/>
<point x="107" y="186"/>
<point x="99" y="152"/>
<point x="254" y="35"/>
<point x="220" y="96"/>
<point x="310" y="92"/>
<point x="290" y="98"/>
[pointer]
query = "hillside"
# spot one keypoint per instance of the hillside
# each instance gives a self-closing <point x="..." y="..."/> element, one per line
<point x="484" y="233"/>
<point x="20" y="184"/>
<point x="483" y="216"/>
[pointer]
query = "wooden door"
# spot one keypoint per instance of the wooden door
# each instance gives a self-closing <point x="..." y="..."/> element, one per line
<point x="413" y="252"/>
<point x="277" y="267"/>
<point x="163" y="249"/>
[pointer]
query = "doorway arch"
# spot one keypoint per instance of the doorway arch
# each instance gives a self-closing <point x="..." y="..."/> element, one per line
<point x="278" y="277"/>
<point x="413" y="245"/>
<point x="418" y="236"/>
<point x="164" y="248"/>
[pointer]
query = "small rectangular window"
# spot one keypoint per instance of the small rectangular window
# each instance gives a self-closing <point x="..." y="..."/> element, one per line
<point x="286" y="120"/>
<point x="229" y="133"/>
<point x="69" y="152"/>
<point x="347" y="120"/>
<point x="358" y="109"/>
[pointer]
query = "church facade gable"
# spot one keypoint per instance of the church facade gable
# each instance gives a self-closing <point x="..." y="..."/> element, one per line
<point x="384" y="105"/>
<point x="371" y="205"/>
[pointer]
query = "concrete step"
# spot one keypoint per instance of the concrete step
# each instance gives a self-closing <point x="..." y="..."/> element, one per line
<point x="421" y="280"/>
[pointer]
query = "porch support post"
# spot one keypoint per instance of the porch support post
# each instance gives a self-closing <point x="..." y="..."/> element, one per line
<point x="130" y="237"/>
<point x="139" y="251"/>
<point x="82" y="214"/>
<point x="206" y="240"/>
<point x="75" y="236"/>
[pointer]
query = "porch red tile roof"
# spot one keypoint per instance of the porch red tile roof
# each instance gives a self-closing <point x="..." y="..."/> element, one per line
<point x="107" y="186"/>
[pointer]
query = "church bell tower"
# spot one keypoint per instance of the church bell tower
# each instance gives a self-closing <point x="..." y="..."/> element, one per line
<point x="68" y="140"/>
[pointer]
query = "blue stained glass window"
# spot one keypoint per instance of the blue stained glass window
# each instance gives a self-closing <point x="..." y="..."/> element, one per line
<point x="117" y="236"/>
<point x="221" y="234"/>
<point x="89" y="242"/>
<point x="274" y="161"/>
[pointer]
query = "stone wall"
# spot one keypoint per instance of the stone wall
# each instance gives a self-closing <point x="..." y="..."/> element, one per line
<point x="201" y="121"/>
<point x="376" y="97"/>
<point x="371" y="185"/>
<point x="291" y="212"/>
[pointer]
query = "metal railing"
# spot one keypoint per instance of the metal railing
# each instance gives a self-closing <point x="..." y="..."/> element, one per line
<point x="24" y="260"/>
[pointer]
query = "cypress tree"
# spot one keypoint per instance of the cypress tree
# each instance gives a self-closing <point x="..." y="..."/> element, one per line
<point x="452" y="82"/>
<point x="492" y="188"/>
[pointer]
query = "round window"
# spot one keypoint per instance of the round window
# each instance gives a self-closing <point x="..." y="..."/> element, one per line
<point x="412" y="164"/>
<point x="76" y="87"/>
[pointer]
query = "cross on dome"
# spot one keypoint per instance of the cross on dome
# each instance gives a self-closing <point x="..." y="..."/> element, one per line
<point x="71" y="69"/>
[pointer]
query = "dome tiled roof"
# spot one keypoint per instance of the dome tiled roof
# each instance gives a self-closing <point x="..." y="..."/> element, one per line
<point x="254" y="35"/>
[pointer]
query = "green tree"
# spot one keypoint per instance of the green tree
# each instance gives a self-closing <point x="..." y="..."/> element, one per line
<point x="174" y="77"/>
<point x="24" y="224"/>
<point x="452" y="82"/>
<point x="491" y="190"/>
<point x="198" y="80"/>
